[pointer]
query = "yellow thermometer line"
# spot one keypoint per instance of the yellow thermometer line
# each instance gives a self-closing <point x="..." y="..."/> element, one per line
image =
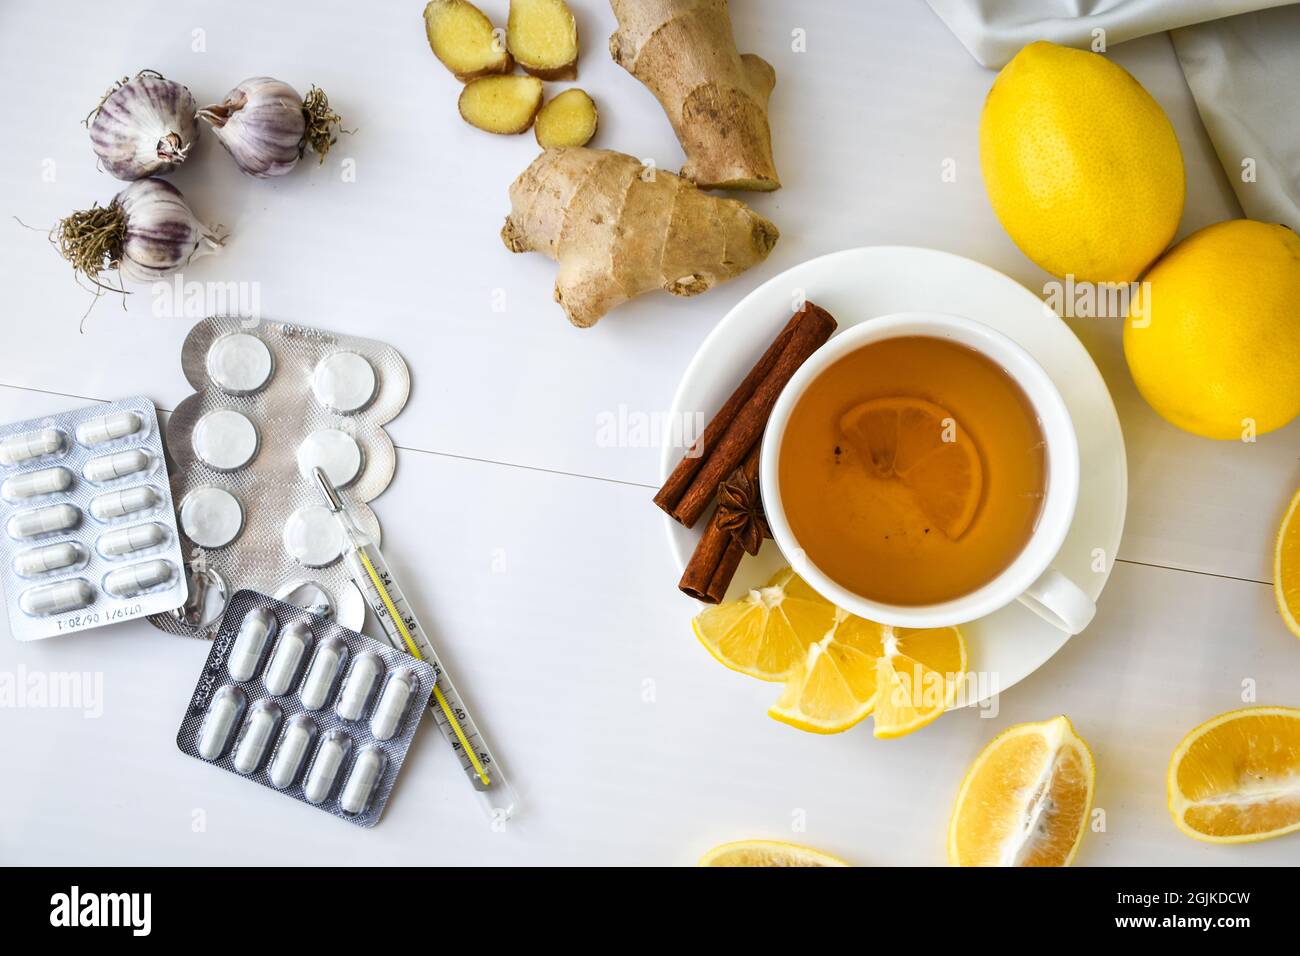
<point x="415" y="652"/>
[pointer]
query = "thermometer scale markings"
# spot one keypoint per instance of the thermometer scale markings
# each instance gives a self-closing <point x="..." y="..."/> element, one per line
<point x="405" y="630"/>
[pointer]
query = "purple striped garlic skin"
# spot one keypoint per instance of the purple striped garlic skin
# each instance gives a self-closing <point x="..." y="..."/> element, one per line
<point x="145" y="127"/>
<point x="261" y="124"/>
<point x="162" y="234"/>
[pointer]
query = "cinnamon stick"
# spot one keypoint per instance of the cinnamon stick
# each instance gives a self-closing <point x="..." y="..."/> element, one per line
<point x="714" y="562"/>
<point x="808" y="331"/>
<point x="673" y="489"/>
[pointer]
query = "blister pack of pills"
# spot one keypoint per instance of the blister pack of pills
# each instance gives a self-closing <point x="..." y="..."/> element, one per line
<point x="306" y="706"/>
<point x="274" y="400"/>
<point x="89" y="534"/>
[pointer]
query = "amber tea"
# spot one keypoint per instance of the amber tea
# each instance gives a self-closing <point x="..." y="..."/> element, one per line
<point x="913" y="470"/>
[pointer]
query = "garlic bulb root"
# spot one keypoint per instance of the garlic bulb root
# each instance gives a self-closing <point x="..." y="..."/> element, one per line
<point x="146" y="233"/>
<point x="266" y="126"/>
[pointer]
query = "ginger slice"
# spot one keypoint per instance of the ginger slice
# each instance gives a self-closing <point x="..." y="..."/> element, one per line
<point x="543" y="38"/>
<point x="567" y="120"/>
<point x="463" y="38"/>
<point x="501" y="104"/>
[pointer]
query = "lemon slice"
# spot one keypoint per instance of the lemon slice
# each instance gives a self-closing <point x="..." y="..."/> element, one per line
<point x="921" y="444"/>
<point x="835" y="686"/>
<point x="1236" y="777"/>
<point x="918" y="675"/>
<point x="767" y="633"/>
<point x="767" y="853"/>
<point x="1286" y="567"/>
<point x="1025" y="800"/>
<point x="838" y="683"/>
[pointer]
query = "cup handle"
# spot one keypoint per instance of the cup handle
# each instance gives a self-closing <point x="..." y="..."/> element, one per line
<point x="1060" y="602"/>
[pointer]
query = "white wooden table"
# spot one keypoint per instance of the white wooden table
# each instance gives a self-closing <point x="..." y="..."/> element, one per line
<point x="538" y="554"/>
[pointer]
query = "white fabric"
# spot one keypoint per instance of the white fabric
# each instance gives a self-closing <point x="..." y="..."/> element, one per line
<point x="995" y="30"/>
<point x="1245" y="75"/>
<point x="1241" y="59"/>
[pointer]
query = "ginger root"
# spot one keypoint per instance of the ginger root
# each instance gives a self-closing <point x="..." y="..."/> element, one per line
<point x="501" y="104"/>
<point x="462" y="37"/>
<point x="543" y="38"/>
<point x="619" y="228"/>
<point x="567" y="120"/>
<point x="715" y="98"/>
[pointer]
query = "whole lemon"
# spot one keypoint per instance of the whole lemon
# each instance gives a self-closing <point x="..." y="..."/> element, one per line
<point x="1213" y="340"/>
<point x="1081" y="164"/>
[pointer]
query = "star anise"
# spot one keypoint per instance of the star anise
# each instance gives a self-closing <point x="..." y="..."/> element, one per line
<point x="740" y="511"/>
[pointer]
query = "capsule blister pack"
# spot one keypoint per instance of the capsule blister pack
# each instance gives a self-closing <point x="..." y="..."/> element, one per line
<point x="87" y="530"/>
<point x="306" y="706"/>
<point x="273" y="400"/>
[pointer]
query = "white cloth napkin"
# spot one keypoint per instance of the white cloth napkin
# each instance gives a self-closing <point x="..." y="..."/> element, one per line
<point x="1241" y="59"/>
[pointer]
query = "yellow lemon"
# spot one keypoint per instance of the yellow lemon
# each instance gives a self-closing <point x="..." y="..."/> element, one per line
<point x="1213" y="341"/>
<point x="1081" y="165"/>
<point x="767" y="853"/>
<point x="1236" y="777"/>
<point x="1025" y="800"/>
<point x="766" y="634"/>
<point x="1286" y="567"/>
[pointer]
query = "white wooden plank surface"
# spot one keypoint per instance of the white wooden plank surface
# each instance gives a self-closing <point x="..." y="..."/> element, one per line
<point x="556" y="649"/>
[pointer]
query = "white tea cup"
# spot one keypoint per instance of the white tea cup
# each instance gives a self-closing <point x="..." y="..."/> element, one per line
<point x="1030" y="577"/>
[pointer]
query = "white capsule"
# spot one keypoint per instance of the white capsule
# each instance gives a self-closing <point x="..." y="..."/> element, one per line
<point x="117" y="465"/>
<point x="128" y="501"/>
<point x="57" y="598"/>
<point x="325" y="667"/>
<point x="288" y="759"/>
<point x="391" y="708"/>
<point x="50" y="557"/>
<point x="286" y="658"/>
<point x="262" y="723"/>
<point x="20" y="448"/>
<point x="250" y="642"/>
<point x="129" y="540"/>
<point x="47" y="481"/>
<point x="325" y="768"/>
<point x="358" y="687"/>
<point x="365" y="773"/>
<point x="223" y="712"/>
<point x="29" y="524"/>
<point x="138" y="578"/>
<point x="96" y="431"/>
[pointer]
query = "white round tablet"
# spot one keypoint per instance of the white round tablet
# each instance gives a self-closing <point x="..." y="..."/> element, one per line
<point x="313" y="537"/>
<point x="334" y="452"/>
<point x="211" y="517"/>
<point x="344" y="382"/>
<point x="225" y="439"/>
<point x="239" y="363"/>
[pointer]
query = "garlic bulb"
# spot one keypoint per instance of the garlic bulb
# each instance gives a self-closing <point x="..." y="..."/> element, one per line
<point x="266" y="125"/>
<point x="144" y="126"/>
<point x="146" y="232"/>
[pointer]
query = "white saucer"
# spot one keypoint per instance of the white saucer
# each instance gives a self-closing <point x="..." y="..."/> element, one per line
<point x="859" y="284"/>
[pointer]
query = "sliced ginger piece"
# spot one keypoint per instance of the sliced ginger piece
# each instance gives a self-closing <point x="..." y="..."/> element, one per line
<point x="567" y="120"/>
<point x="543" y="38"/>
<point x="501" y="104"/>
<point x="463" y="38"/>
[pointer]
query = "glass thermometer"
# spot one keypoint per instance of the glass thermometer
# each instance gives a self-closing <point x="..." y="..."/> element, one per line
<point x="370" y="573"/>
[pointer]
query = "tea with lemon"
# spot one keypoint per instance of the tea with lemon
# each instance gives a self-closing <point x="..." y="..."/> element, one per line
<point x="913" y="470"/>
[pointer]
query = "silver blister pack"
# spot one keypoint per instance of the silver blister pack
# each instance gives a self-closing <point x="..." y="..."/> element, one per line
<point x="87" y="529"/>
<point x="306" y="707"/>
<point x="271" y="400"/>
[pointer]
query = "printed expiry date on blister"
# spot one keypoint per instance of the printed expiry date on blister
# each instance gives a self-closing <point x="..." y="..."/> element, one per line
<point x="273" y="401"/>
<point x="87" y="531"/>
<point x="306" y="707"/>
